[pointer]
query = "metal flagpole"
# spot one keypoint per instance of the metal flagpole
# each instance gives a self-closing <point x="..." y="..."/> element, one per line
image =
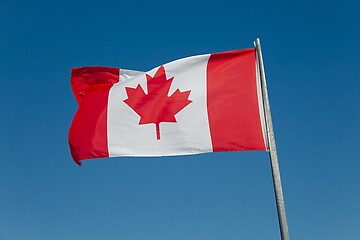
<point x="272" y="148"/>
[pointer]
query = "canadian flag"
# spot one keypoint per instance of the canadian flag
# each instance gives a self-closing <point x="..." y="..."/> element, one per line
<point x="205" y="103"/>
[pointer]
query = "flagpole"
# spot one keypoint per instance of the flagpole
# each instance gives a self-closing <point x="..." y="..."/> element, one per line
<point x="272" y="148"/>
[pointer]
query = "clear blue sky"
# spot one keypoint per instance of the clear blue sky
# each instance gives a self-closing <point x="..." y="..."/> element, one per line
<point x="311" y="52"/>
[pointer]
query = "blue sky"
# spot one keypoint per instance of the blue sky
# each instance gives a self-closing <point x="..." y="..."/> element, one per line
<point x="310" y="50"/>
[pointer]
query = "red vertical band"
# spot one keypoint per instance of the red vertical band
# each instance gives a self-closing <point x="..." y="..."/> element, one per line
<point x="232" y="102"/>
<point x="88" y="131"/>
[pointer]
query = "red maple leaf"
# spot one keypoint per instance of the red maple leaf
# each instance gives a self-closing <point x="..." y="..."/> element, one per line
<point x="156" y="106"/>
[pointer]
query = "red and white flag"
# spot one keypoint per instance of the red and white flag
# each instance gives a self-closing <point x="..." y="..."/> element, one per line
<point x="205" y="103"/>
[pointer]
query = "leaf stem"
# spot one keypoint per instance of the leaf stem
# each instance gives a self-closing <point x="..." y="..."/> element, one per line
<point x="157" y="131"/>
